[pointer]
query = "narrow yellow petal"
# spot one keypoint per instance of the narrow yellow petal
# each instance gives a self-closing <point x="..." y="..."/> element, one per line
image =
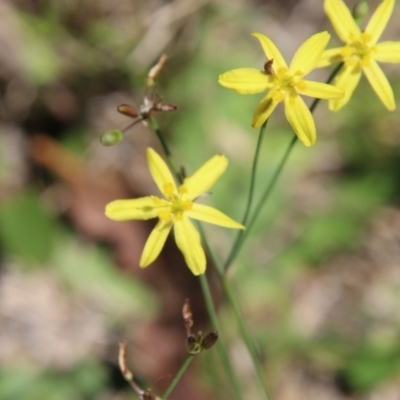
<point x="155" y="243"/>
<point x="309" y="53"/>
<point x="380" y="84"/>
<point x="331" y="56"/>
<point x="264" y="109"/>
<point x="246" y="80"/>
<point x="341" y="20"/>
<point x="205" y="177"/>
<point x="347" y="79"/>
<point x="300" y="118"/>
<point x="205" y="213"/>
<point x="387" y="52"/>
<point x="124" y="210"/>
<point x="379" y="20"/>
<point x="320" y="90"/>
<point x="271" y="51"/>
<point x="189" y="243"/>
<point x="160" y="172"/>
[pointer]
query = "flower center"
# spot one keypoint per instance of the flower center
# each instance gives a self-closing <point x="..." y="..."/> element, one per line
<point x="359" y="50"/>
<point x="175" y="204"/>
<point x="286" y="82"/>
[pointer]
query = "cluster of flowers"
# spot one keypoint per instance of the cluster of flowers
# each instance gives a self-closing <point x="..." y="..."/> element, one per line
<point x="360" y="54"/>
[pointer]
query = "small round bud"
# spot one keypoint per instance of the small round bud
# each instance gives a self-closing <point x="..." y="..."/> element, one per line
<point x="360" y="10"/>
<point x="110" y="138"/>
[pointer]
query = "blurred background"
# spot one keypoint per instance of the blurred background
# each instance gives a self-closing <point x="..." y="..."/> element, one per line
<point x="319" y="278"/>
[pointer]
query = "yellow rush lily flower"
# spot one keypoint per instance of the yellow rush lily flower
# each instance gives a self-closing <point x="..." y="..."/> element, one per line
<point x="175" y="209"/>
<point x="285" y="84"/>
<point x="361" y="52"/>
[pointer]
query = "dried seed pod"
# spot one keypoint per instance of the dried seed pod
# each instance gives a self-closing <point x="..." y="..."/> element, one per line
<point x="128" y="110"/>
<point x="209" y="340"/>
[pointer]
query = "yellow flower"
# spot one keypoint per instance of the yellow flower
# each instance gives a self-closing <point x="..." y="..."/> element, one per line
<point x="361" y="52"/>
<point x="175" y="209"/>
<point x="285" y="84"/>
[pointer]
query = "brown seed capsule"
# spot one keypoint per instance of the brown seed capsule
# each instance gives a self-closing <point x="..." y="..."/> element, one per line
<point x="128" y="110"/>
<point x="209" y="340"/>
<point x="269" y="70"/>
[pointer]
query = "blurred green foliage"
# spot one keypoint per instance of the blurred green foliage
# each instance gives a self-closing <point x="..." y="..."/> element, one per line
<point x="87" y="55"/>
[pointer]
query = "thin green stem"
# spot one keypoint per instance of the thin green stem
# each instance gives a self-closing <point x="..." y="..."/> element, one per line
<point x="220" y="345"/>
<point x="156" y="129"/>
<point x="242" y="235"/>
<point x="254" y="172"/>
<point x="178" y="376"/>
<point x="248" y="340"/>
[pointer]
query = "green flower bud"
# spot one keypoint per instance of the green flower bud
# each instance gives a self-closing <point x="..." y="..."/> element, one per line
<point x="360" y="11"/>
<point x="110" y="138"/>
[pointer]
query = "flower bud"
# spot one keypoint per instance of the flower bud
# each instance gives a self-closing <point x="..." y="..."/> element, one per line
<point x="110" y="138"/>
<point x="360" y="11"/>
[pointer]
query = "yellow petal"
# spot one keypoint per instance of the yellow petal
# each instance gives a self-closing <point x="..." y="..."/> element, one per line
<point x="205" y="177"/>
<point x="246" y="80"/>
<point x="213" y="216"/>
<point x="189" y="243"/>
<point x="160" y="172"/>
<point x="155" y="243"/>
<point x="300" y="118"/>
<point x="387" y="52"/>
<point x="123" y="210"/>
<point x="379" y="19"/>
<point x="320" y="90"/>
<point x="264" y="109"/>
<point x="380" y="84"/>
<point x="271" y="51"/>
<point x="331" y="56"/>
<point x="341" y="20"/>
<point x="347" y="79"/>
<point x="309" y="53"/>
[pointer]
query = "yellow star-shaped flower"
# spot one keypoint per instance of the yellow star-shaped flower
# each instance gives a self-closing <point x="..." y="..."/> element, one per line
<point x="175" y="209"/>
<point x="361" y="52"/>
<point x="285" y="84"/>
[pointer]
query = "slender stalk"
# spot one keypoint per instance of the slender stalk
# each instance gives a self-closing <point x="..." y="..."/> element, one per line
<point x="178" y="376"/>
<point x="248" y="340"/>
<point x="220" y="345"/>
<point x="254" y="172"/>
<point x="242" y="235"/>
<point x="156" y="129"/>
<point x="225" y="284"/>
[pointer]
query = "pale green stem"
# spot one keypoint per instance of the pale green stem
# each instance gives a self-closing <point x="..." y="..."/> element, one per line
<point x="242" y="235"/>
<point x="156" y="129"/>
<point x="178" y="376"/>
<point x="248" y="340"/>
<point x="203" y="280"/>
<point x="254" y="172"/>
<point x="220" y="345"/>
